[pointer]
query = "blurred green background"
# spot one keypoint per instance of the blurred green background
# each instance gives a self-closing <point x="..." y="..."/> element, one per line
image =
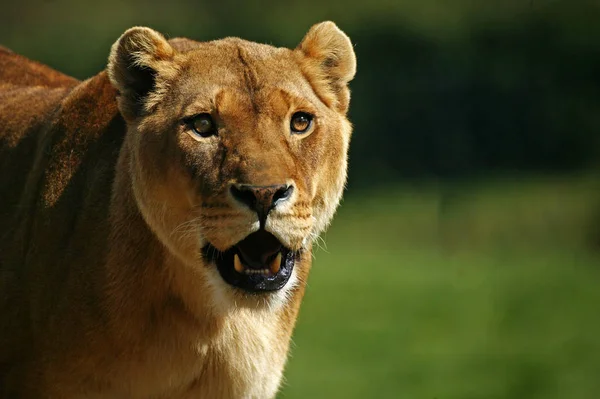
<point x="464" y="262"/>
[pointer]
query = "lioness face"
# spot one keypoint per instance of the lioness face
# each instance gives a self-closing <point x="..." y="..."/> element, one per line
<point x="239" y="149"/>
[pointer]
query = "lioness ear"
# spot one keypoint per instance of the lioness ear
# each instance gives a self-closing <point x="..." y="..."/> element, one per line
<point x="327" y="56"/>
<point x="139" y="66"/>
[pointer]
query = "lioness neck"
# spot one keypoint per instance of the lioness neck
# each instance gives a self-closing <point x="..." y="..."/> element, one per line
<point x="139" y="263"/>
<point x="239" y="353"/>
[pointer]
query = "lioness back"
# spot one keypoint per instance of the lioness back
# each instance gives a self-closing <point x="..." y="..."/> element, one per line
<point x="29" y="92"/>
<point x="157" y="219"/>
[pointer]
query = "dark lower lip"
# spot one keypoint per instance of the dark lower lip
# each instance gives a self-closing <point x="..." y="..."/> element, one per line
<point x="254" y="282"/>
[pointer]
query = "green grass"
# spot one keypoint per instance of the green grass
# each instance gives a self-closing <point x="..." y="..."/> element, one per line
<point x="491" y="294"/>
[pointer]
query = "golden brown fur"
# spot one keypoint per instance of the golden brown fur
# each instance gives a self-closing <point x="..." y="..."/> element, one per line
<point x="106" y="201"/>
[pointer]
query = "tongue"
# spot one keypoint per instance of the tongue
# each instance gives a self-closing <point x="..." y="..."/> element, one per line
<point x="258" y="249"/>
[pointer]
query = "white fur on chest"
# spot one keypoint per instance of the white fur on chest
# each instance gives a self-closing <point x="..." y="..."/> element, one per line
<point x="246" y="360"/>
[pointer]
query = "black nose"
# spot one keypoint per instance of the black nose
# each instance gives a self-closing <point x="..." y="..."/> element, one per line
<point x="261" y="199"/>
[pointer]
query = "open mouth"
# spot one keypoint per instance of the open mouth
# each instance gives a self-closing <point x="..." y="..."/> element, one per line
<point x="258" y="263"/>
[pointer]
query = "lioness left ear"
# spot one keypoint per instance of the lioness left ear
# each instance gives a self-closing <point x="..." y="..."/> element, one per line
<point x="139" y="65"/>
<point x="328" y="58"/>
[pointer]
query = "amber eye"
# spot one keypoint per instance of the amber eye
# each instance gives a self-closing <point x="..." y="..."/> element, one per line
<point x="202" y="126"/>
<point x="301" y="122"/>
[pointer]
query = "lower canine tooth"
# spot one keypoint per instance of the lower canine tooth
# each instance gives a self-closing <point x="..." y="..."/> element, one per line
<point x="276" y="264"/>
<point x="237" y="264"/>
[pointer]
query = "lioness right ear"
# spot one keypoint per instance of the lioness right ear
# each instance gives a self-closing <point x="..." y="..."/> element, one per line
<point x="139" y="66"/>
<point x="327" y="57"/>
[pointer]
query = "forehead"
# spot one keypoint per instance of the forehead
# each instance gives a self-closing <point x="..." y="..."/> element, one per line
<point x="241" y="71"/>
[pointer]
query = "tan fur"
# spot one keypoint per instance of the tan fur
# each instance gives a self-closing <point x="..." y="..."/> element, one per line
<point x="106" y="201"/>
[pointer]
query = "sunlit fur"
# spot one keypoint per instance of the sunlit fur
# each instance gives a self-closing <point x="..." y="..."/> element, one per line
<point x="107" y="201"/>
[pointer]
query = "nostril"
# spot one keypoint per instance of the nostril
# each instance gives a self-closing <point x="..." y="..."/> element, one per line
<point x="243" y="195"/>
<point x="261" y="199"/>
<point x="283" y="194"/>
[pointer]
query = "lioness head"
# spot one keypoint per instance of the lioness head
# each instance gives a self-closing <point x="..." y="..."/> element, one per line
<point x="238" y="149"/>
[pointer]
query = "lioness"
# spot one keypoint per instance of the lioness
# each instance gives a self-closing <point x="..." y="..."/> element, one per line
<point x="157" y="220"/>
